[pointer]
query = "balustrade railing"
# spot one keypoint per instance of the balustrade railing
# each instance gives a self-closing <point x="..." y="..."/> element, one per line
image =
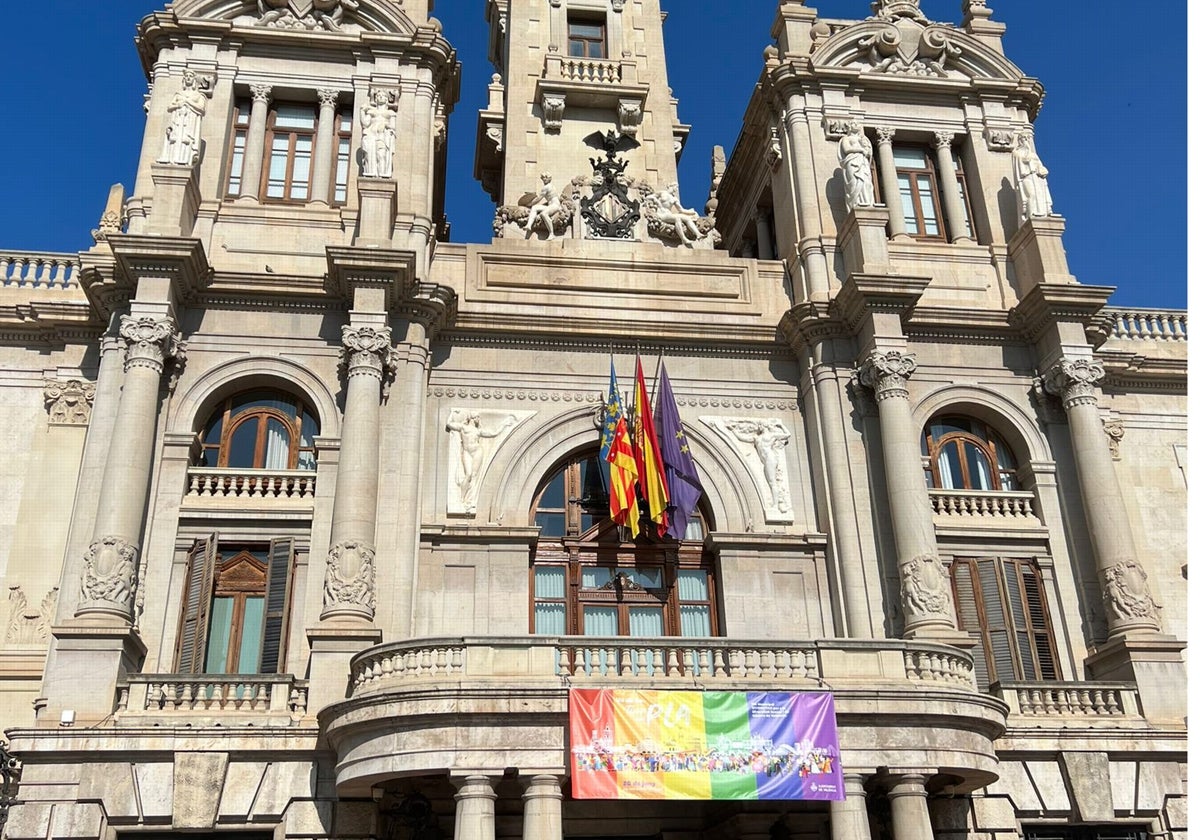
<point x="152" y="694"/>
<point x="213" y="483"/>
<point x="980" y="504"/>
<point x="1148" y="324"/>
<point x="38" y="269"/>
<point x="1070" y="699"/>
<point x="591" y="70"/>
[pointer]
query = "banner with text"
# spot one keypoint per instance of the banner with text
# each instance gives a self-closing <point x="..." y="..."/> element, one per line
<point x="629" y="744"/>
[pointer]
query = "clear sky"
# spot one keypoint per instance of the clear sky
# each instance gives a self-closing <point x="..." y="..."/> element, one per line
<point x="1112" y="131"/>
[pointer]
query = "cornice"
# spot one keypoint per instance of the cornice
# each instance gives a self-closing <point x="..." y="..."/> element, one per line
<point x="582" y="332"/>
<point x="864" y="294"/>
<point x="1050" y="303"/>
<point x="180" y="260"/>
<point x="49" y="325"/>
<point x="351" y="268"/>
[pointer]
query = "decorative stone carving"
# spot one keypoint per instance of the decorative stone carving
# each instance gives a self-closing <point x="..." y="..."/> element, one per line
<point x="150" y="342"/>
<point x="836" y="127"/>
<point x="618" y="5"/>
<point x="1127" y="595"/>
<point x="368" y="351"/>
<point x="494" y="132"/>
<point x="760" y="443"/>
<point x="924" y="587"/>
<point x="546" y="202"/>
<point x="894" y="10"/>
<point x="1115" y="429"/>
<point x="670" y="221"/>
<point x="260" y="93"/>
<point x="553" y="105"/>
<point x="109" y="572"/>
<point x="609" y="211"/>
<point x="25" y="625"/>
<point x="69" y="403"/>
<point x="717" y="174"/>
<point x="943" y="139"/>
<point x="1030" y="176"/>
<point x="887" y="373"/>
<point x="907" y="44"/>
<point x="999" y="139"/>
<point x="855" y="155"/>
<point x="350" y="578"/>
<point x="629" y="116"/>
<point x="113" y="217"/>
<point x="774" y="152"/>
<point x="305" y="14"/>
<point x="328" y="97"/>
<point x="885" y="134"/>
<point x="542" y="205"/>
<point x="378" y="120"/>
<point x="1074" y="381"/>
<point x="475" y="436"/>
<point x="181" y="143"/>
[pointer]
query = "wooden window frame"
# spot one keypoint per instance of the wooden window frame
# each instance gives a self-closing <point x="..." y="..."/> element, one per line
<point x="292" y="134"/>
<point x="238" y="138"/>
<point x="230" y="422"/>
<point x="911" y="175"/>
<point x="583" y="19"/>
<point x="239" y="592"/>
<point x="987" y="444"/>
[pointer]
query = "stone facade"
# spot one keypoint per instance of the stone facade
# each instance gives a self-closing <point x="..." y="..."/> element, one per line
<point x="303" y="439"/>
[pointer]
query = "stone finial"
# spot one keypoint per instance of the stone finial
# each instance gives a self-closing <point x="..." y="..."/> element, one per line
<point x="975" y="10"/>
<point x="113" y="217"/>
<point x="718" y="173"/>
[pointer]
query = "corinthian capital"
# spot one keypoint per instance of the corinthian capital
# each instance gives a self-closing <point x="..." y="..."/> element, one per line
<point x="367" y="351"/>
<point x="150" y="342"/>
<point x="887" y="373"/>
<point x="1074" y="381"/>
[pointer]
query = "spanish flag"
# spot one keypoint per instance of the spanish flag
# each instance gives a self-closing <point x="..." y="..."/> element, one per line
<point x="649" y="457"/>
<point x="616" y="449"/>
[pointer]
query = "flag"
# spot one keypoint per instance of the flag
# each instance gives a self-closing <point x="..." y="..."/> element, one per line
<point x="649" y="458"/>
<point x="683" y="482"/>
<point x="617" y="450"/>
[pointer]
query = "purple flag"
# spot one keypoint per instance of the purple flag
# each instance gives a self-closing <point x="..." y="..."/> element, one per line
<point x="683" y="483"/>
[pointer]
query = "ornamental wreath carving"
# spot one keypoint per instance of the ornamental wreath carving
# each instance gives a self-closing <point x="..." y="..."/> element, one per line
<point x="1127" y="595"/>
<point x="150" y="342"/>
<point x="69" y="403"/>
<point x="887" y="373"/>
<point x="924" y="587"/>
<point x="350" y="578"/>
<point x="109" y="568"/>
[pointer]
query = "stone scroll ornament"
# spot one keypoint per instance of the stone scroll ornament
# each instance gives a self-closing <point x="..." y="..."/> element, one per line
<point x="1127" y="594"/>
<point x="925" y="587"/>
<point x="109" y="573"/>
<point x="475" y="436"/>
<point x="760" y="444"/>
<point x="1074" y="381"/>
<point x="368" y="351"/>
<point x="350" y="579"/>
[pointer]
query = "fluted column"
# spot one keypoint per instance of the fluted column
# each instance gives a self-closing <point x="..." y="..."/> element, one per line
<point x="350" y="565"/>
<point x="766" y="245"/>
<point x="256" y="135"/>
<point x="848" y="819"/>
<point x="910" y="809"/>
<point x="323" y="151"/>
<point x="887" y="182"/>
<point x="475" y="809"/>
<point x="956" y="220"/>
<point x="110" y="565"/>
<point x="543" y="809"/>
<point x="804" y="185"/>
<point x="924" y="584"/>
<point x="1127" y="600"/>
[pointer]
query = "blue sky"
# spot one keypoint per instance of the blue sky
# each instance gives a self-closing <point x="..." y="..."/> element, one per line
<point x="1111" y="132"/>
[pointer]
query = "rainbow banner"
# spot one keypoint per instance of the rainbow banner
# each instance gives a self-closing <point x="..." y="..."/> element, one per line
<point x="703" y="745"/>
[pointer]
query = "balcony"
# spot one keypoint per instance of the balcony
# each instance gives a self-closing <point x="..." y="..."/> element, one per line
<point x="591" y="82"/>
<point x="1071" y="704"/>
<point x="38" y="270"/>
<point x="1006" y="509"/>
<point x="212" y="487"/>
<point x="207" y="699"/>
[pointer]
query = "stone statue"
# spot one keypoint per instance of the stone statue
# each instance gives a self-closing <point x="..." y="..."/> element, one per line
<point x="379" y="135"/>
<point x="472" y="434"/>
<point x="665" y="208"/>
<point x="545" y="203"/>
<point x="181" y="144"/>
<point x="768" y="437"/>
<point x="855" y="154"/>
<point x="1030" y="175"/>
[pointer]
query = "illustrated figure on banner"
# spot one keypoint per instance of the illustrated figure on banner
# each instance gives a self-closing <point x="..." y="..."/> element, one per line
<point x="855" y="154"/>
<point x="543" y="205"/>
<point x="473" y="450"/>
<point x="181" y="144"/>
<point x="379" y="135"/>
<point x="1030" y="175"/>
<point x="769" y="437"/>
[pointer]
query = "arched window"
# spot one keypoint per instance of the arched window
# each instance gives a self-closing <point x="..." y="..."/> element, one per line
<point x="261" y="429"/>
<point x="588" y="579"/>
<point x="962" y="453"/>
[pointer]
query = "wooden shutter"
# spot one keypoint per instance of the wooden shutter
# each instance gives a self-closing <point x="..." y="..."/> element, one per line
<point x="279" y="591"/>
<point x="967" y="608"/>
<point x="996" y="621"/>
<point x="1039" y="624"/>
<point x="197" y="598"/>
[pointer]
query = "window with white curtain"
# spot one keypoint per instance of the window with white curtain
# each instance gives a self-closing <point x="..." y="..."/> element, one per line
<point x="963" y="453"/>
<point x="260" y="429"/>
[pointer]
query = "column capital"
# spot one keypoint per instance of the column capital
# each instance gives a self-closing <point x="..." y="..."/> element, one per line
<point x="349" y="581"/>
<point x="885" y="134"/>
<point x="887" y="372"/>
<point x="328" y="97"/>
<point x="260" y="93"/>
<point x="474" y="786"/>
<point x="1074" y="381"/>
<point x="943" y="139"/>
<point x="150" y="342"/>
<point x="902" y="783"/>
<point x="367" y="351"/>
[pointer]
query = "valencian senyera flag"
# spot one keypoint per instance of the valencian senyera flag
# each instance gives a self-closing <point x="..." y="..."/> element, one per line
<point x="642" y="744"/>
<point x="648" y="455"/>
<point x="616" y="450"/>
<point x="683" y="482"/>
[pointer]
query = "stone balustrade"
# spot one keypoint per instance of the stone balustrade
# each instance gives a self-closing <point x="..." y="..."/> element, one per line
<point x="664" y="662"/>
<point x="1007" y="505"/>
<point x="597" y="70"/>
<point x="278" y="699"/>
<point x="1070" y="699"/>
<point x="235" y="484"/>
<point x="1148" y="324"/>
<point x="38" y="269"/>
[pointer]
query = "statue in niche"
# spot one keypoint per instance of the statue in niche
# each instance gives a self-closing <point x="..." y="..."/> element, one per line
<point x="378" y="135"/>
<point x="181" y="144"/>
<point x="855" y="154"/>
<point x="1030" y="174"/>
<point x="472" y="435"/>
<point x="542" y="204"/>
<point x="768" y="437"/>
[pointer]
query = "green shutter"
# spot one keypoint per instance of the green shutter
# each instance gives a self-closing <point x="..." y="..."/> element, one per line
<point x="279" y="589"/>
<point x="193" y="633"/>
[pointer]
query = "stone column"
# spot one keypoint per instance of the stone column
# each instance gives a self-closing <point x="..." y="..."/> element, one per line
<point x="110" y="565"/>
<point x="1127" y="600"/>
<point x="947" y="175"/>
<point x="924" y="583"/>
<point x="848" y="819"/>
<point x="256" y="136"/>
<point x="910" y="808"/>
<point x="350" y="566"/>
<point x="887" y="182"/>
<point x="323" y="150"/>
<point x="475" y="809"/>
<point x="804" y="186"/>
<point x="543" y="809"/>
<point x="766" y="248"/>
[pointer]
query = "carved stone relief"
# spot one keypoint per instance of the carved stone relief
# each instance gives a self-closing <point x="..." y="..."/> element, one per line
<point x="305" y="14"/>
<point x="368" y="351"/>
<point x="1074" y="380"/>
<point x="69" y="403"/>
<point x="629" y="116"/>
<point x="475" y="436"/>
<point x="1127" y="595"/>
<point x="27" y="626"/>
<point x="553" y="105"/>
<point x="887" y="373"/>
<point x="924" y="587"/>
<point x="151" y="342"/>
<point x="1115" y="429"/>
<point x="109" y="571"/>
<point x="907" y="44"/>
<point x="670" y="221"/>
<point x="350" y="578"/>
<point x="546" y="208"/>
<point x="760" y="442"/>
<point x="181" y="142"/>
